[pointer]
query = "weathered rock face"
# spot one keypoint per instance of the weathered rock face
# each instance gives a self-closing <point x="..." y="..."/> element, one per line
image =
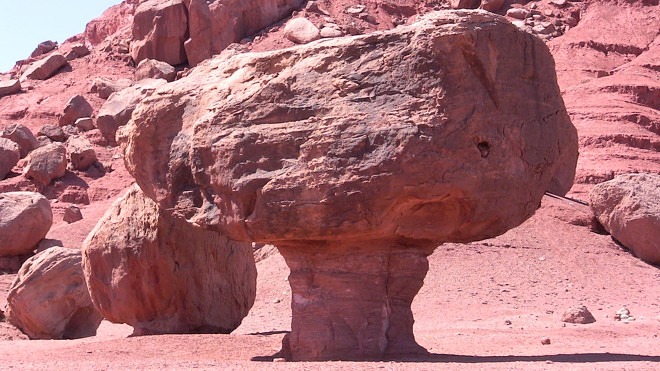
<point x="22" y="136"/>
<point x="160" y="27"/>
<point x="25" y="219"/>
<point x="163" y="275"/>
<point x="45" y="68"/>
<point x="49" y="298"/>
<point x="327" y="147"/>
<point x="629" y="208"/>
<point x="10" y="153"/>
<point x="46" y="163"/>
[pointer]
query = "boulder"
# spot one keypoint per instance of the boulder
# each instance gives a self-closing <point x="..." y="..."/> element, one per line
<point x="301" y="31"/>
<point x="22" y="136"/>
<point x="9" y="87"/>
<point x="578" y="314"/>
<point x="80" y="152"/>
<point x="25" y="219"/>
<point x="464" y="4"/>
<point x="153" y="69"/>
<point x="84" y="124"/>
<point x="53" y="132"/>
<point x="160" y="27"/>
<point x="10" y="153"/>
<point x="105" y="87"/>
<point x="215" y="24"/>
<point x="72" y="214"/>
<point x="77" y="51"/>
<point x="628" y="206"/>
<point x="77" y="107"/>
<point x="491" y="5"/>
<point x="46" y="163"/>
<point x="161" y="274"/>
<point x="117" y="110"/>
<point x="518" y="13"/>
<point x="43" y="48"/>
<point x="49" y="299"/>
<point x="45" y="68"/>
<point x="327" y="157"/>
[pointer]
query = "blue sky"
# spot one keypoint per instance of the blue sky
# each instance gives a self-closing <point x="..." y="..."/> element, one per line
<point x="26" y="23"/>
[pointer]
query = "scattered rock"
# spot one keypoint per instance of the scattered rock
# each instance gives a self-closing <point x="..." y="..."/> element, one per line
<point x="356" y="9"/>
<point x="105" y="87"/>
<point x="161" y="274"/>
<point x="579" y="315"/>
<point x="53" y="132"/>
<point x="492" y="5"/>
<point x="77" y="107"/>
<point x="545" y="341"/>
<point x="72" y="214"/>
<point x="49" y="300"/>
<point x="160" y="27"/>
<point x="301" y="31"/>
<point x="43" y="48"/>
<point x="327" y="32"/>
<point x="84" y="124"/>
<point x="517" y="13"/>
<point x="45" y="68"/>
<point x="464" y="4"/>
<point x="81" y="153"/>
<point x="46" y="163"/>
<point x="10" y="153"/>
<point x="628" y="207"/>
<point x="117" y="110"/>
<point x="153" y="69"/>
<point x="9" y="87"/>
<point x="309" y="187"/>
<point x="77" y="51"/>
<point x="22" y="136"/>
<point x="25" y="218"/>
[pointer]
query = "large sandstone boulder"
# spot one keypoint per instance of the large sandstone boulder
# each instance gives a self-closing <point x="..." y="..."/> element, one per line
<point x="49" y="299"/>
<point x="117" y="110"/>
<point x="10" y="153"/>
<point x="356" y="157"/>
<point x="301" y="31"/>
<point x="45" y="68"/>
<point x="46" y="163"/>
<point x="22" y="136"/>
<point x="161" y="274"/>
<point x="160" y="28"/>
<point x="215" y="24"/>
<point x="25" y="219"/>
<point x="628" y="206"/>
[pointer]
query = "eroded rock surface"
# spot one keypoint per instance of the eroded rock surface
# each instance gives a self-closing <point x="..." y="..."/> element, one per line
<point x="164" y="275"/>
<point x="49" y="299"/>
<point x="160" y="27"/>
<point x="328" y="147"/>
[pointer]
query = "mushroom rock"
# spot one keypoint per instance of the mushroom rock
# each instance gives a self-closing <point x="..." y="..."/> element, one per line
<point x="356" y="157"/>
<point x="49" y="299"/>
<point x="161" y="274"/>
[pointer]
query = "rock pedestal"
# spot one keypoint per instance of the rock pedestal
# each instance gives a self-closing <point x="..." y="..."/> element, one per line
<point x="352" y="300"/>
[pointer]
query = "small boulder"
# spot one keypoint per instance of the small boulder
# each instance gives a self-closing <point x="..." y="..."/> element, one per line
<point x="84" y="124"/>
<point x="80" y="152"/>
<point x="464" y="4"/>
<point x="517" y="13"/>
<point x="77" y="51"/>
<point x="49" y="299"/>
<point x="301" y="31"/>
<point x="628" y="207"/>
<point x="10" y="153"/>
<point x="46" y="163"/>
<point x="53" y="132"/>
<point x="9" y="87"/>
<point x="25" y="219"/>
<point x="43" y="48"/>
<point x="578" y="314"/>
<point x="45" y="68"/>
<point x="492" y="5"/>
<point x="105" y="87"/>
<point x="77" y="107"/>
<point x="328" y="32"/>
<point x="22" y="136"/>
<point x="153" y="69"/>
<point x="72" y="214"/>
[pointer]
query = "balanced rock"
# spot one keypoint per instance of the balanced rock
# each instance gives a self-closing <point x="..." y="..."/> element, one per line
<point x="327" y="157"/>
<point x="77" y="107"/>
<point x="117" y="110"/>
<point x="81" y="153"/>
<point x="46" y="163"/>
<point x="628" y="206"/>
<point x="10" y="153"/>
<point x="9" y="87"/>
<point x="25" y="219"/>
<point x="49" y="299"/>
<point x="301" y="31"/>
<point x="22" y="136"/>
<point x="45" y="68"/>
<point x="214" y="24"/>
<point x="105" y="87"/>
<point x="153" y="69"/>
<point x="160" y="28"/>
<point x="161" y="274"/>
<point x="579" y="315"/>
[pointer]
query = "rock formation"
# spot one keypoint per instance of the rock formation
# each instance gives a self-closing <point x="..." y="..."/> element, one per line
<point x="49" y="300"/>
<point x="10" y="153"/>
<point x="356" y="157"/>
<point x="160" y="27"/>
<point x="46" y="67"/>
<point x="164" y="275"/>
<point x="77" y="107"/>
<point x="25" y="219"/>
<point x="22" y="136"/>
<point x="629" y="208"/>
<point x="46" y="163"/>
<point x="154" y="69"/>
<point x="80" y="153"/>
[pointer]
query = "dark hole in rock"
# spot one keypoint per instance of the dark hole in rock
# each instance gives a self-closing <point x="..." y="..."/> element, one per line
<point x="484" y="148"/>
